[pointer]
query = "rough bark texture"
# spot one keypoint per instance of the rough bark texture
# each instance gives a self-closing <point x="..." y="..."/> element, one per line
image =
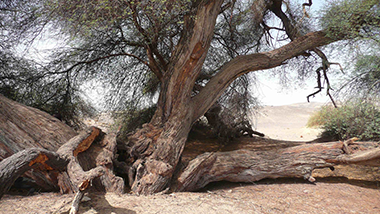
<point x="87" y="156"/>
<point x="90" y="155"/>
<point x="88" y="159"/>
<point x="157" y="147"/>
<point x="23" y="127"/>
<point x="297" y="161"/>
<point x="153" y="152"/>
<point x="35" y="158"/>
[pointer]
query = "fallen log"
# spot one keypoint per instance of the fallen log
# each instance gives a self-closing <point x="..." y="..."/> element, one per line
<point x="86" y="157"/>
<point x="91" y="155"/>
<point x="250" y="166"/>
<point x="15" y="166"/>
<point x="23" y="127"/>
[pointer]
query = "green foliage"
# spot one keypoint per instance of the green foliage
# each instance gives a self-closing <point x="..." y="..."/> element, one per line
<point x="367" y="74"/>
<point x="359" y="119"/>
<point x="82" y="18"/>
<point x="351" y="18"/>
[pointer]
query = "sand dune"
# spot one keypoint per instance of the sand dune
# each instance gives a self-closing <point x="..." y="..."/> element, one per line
<point x="288" y="122"/>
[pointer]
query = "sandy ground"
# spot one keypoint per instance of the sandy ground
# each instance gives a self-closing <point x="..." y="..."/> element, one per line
<point x="269" y="196"/>
<point x="332" y="193"/>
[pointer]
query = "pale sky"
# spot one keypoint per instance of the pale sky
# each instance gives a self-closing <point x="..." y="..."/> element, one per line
<point x="270" y="92"/>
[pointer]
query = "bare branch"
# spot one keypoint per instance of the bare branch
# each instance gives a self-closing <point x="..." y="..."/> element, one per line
<point x="96" y="60"/>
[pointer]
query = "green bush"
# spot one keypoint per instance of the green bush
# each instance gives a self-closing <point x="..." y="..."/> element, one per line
<point x="359" y="119"/>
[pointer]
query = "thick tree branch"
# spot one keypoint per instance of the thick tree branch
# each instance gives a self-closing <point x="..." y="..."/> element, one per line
<point x="253" y="62"/>
<point x="87" y="156"/>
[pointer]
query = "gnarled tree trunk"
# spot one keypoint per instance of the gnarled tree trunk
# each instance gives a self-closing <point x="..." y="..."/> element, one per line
<point x="23" y="127"/>
<point x="42" y="147"/>
<point x="153" y="152"/>
<point x="156" y="148"/>
<point x="89" y="157"/>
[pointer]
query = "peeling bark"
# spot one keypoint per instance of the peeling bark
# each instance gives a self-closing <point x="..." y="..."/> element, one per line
<point x="157" y="147"/>
<point x="90" y="156"/>
<point x="13" y="167"/>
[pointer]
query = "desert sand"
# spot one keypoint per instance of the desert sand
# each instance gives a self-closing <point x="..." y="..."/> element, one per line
<point x="288" y="122"/>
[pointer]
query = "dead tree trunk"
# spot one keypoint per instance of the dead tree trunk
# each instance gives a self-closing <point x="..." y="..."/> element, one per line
<point x="23" y="127"/>
<point x="88" y="157"/>
<point x="39" y="146"/>
<point x="297" y="161"/>
<point x="15" y="166"/>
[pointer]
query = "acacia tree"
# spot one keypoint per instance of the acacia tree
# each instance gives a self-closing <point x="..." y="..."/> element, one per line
<point x="176" y="44"/>
<point x="172" y="39"/>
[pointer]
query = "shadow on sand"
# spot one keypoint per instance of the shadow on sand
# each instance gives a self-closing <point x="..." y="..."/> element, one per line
<point x="99" y="204"/>
<point x="332" y="180"/>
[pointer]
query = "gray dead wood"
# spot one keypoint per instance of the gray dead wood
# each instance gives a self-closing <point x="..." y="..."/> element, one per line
<point x="90" y="156"/>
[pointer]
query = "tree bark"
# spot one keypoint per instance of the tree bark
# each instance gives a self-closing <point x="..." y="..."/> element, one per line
<point x="253" y="62"/>
<point x="23" y="127"/>
<point x="15" y="166"/>
<point x="157" y="147"/>
<point x="37" y="145"/>
<point x="88" y="157"/>
<point x="153" y="152"/>
<point x="249" y="166"/>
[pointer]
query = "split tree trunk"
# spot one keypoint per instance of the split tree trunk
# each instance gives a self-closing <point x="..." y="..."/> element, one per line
<point x="51" y="158"/>
<point x="23" y="127"/>
<point x="86" y="158"/>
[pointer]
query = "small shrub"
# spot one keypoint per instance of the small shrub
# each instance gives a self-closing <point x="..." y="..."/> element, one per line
<point x="320" y="117"/>
<point x="353" y="119"/>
